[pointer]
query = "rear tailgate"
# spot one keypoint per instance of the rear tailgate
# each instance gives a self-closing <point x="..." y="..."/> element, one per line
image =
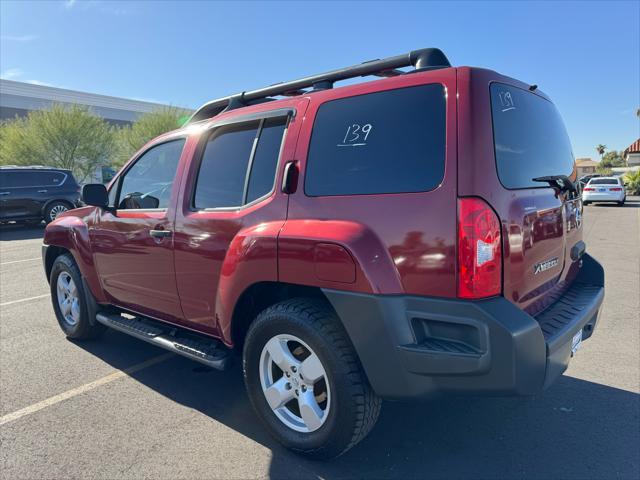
<point x="517" y="135"/>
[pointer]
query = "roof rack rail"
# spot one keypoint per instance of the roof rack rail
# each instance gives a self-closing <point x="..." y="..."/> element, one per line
<point x="424" y="59"/>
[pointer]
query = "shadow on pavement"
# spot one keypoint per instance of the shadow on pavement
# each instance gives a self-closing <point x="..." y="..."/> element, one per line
<point x="15" y="231"/>
<point x="576" y="429"/>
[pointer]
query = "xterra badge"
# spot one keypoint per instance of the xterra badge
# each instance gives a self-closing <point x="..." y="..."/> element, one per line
<point x="544" y="266"/>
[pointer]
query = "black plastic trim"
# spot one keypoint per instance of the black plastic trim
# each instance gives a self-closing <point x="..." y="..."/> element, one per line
<point x="506" y="353"/>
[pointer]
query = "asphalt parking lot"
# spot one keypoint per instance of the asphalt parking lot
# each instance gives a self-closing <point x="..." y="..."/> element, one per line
<point x="119" y="408"/>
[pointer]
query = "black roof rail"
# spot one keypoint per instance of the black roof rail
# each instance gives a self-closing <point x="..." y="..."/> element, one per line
<point x="426" y="58"/>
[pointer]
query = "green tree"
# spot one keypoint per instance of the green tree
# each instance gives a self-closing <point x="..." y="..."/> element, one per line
<point x="612" y="158"/>
<point x="147" y="127"/>
<point x="65" y="137"/>
<point x="601" y="149"/>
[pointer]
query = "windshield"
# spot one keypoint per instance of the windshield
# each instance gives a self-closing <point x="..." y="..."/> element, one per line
<point x="529" y="137"/>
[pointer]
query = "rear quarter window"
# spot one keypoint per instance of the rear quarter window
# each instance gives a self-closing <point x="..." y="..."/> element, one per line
<point x="383" y="142"/>
<point x="529" y="136"/>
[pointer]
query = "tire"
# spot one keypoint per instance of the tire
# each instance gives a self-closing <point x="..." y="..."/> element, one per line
<point x="66" y="280"/>
<point x="348" y="405"/>
<point x="54" y="209"/>
<point x="585" y="203"/>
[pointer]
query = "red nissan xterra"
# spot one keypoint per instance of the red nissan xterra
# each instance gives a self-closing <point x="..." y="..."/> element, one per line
<point x="415" y="234"/>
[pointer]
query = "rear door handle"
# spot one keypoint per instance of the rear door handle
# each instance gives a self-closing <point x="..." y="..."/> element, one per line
<point x="42" y="191"/>
<point x="4" y="193"/>
<point x="160" y="233"/>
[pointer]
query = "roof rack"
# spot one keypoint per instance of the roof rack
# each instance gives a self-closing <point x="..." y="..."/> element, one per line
<point x="424" y="59"/>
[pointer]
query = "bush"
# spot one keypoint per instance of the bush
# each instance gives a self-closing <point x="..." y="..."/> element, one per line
<point x="632" y="182"/>
<point x="69" y="137"/>
<point x="147" y="127"/>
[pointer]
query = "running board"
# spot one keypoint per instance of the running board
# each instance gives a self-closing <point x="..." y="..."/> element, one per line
<point x="209" y="352"/>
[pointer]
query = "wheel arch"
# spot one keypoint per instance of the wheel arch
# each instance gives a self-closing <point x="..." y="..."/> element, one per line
<point x="261" y="295"/>
<point x="48" y="203"/>
<point x="70" y="234"/>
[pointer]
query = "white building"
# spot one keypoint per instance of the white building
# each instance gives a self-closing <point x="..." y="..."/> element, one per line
<point x="632" y="154"/>
<point x="19" y="98"/>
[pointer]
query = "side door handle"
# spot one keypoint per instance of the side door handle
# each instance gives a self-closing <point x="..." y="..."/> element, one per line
<point x="42" y="191"/>
<point x="160" y="234"/>
<point x="4" y="193"/>
<point x="290" y="177"/>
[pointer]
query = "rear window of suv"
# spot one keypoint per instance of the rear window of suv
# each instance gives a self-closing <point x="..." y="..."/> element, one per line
<point x="383" y="142"/>
<point x="529" y="136"/>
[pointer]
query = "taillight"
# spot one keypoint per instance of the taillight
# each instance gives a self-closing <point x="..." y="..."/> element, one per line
<point x="479" y="250"/>
<point x="588" y="189"/>
<point x="615" y="189"/>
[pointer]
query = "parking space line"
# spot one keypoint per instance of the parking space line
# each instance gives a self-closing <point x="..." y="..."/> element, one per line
<point x="24" y="300"/>
<point x="10" y="417"/>
<point x="20" y="261"/>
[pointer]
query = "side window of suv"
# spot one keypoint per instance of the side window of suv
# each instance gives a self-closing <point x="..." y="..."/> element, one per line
<point x="147" y="184"/>
<point x="239" y="164"/>
<point x="26" y="179"/>
<point x="384" y="142"/>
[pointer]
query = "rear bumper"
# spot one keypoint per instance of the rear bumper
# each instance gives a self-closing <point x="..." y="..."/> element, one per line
<point x="413" y="347"/>
<point x="603" y="197"/>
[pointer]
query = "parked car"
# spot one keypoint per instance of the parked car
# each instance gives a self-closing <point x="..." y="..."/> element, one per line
<point x="604" y="189"/>
<point x="582" y="181"/>
<point x="33" y="194"/>
<point x="391" y="239"/>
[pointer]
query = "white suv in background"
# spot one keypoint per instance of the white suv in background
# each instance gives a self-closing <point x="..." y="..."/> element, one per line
<point x="604" y="189"/>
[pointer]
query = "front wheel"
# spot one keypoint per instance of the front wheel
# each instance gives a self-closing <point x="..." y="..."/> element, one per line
<point x="69" y="301"/>
<point x="305" y="381"/>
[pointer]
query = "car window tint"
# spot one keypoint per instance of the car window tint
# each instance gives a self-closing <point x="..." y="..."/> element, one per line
<point x="529" y="137"/>
<point x="604" y="181"/>
<point x="223" y="168"/>
<point x="147" y="184"/>
<point x="263" y="167"/>
<point x="11" y="179"/>
<point x="31" y="178"/>
<point x="384" y="142"/>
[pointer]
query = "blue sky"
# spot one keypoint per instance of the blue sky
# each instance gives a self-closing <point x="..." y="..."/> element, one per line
<point x="585" y="55"/>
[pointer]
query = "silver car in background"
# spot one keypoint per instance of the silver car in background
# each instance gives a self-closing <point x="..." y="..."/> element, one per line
<point x="604" y="189"/>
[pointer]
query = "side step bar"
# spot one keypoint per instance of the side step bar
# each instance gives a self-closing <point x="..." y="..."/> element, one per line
<point x="206" y="351"/>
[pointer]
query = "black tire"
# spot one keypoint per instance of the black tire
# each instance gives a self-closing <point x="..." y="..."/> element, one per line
<point x="54" y="209"/>
<point x="84" y="329"/>
<point x="354" y="408"/>
<point x="585" y="203"/>
<point x="621" y="204"/>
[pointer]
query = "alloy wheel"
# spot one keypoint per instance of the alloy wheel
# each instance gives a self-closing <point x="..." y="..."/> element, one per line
<point x="295" y="383"/>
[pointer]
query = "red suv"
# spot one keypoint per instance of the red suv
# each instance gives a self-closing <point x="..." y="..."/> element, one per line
<point x="415" y="234"/>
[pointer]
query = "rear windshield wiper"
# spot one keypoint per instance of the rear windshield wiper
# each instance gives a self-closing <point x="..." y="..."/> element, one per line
<point x="559" y="182"/>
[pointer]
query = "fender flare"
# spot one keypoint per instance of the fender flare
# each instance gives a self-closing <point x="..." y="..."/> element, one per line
<point x="72" y="234"/>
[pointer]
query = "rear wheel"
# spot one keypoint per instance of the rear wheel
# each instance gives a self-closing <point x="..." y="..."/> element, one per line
<point x="305" y="381"/>
<point x="54" y="209"/>
<point x="69" y="301"/>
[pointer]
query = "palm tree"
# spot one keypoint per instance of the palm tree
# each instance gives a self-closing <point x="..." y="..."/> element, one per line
<point x="601" y="149"/>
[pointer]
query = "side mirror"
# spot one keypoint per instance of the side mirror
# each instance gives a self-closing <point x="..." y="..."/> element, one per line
<point x="95" y="194"/>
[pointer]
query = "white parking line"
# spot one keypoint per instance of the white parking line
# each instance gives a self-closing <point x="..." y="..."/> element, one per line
<point x="20" y="261"/>
<point x="24" y="300"/>
<point x="10" y="417"/>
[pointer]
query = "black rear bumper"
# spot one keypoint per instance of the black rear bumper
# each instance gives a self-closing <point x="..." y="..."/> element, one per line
<point x="415" y="346"/>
